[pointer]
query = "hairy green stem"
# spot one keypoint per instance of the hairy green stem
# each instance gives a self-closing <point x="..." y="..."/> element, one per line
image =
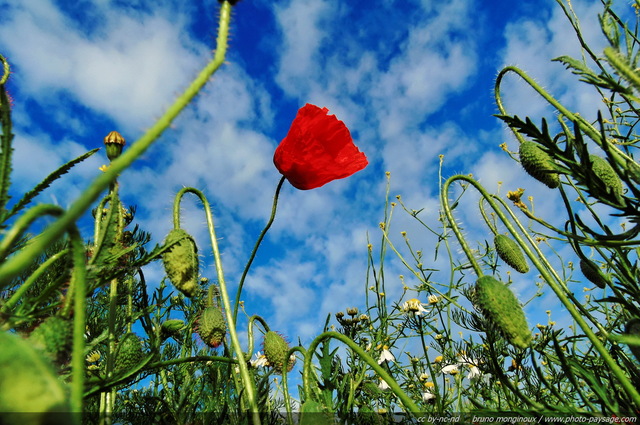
<point x="249" y="385"/>
<point x="619" y="156"/>
<point x="408" y="403"/>
<point x="21" y="260"/>
<point x="22" y="224"/>
<point x="31" y="280"/>
<point x="624" y="381"/>
<point x="79" y="285"/>
<point x="256" y="246"/>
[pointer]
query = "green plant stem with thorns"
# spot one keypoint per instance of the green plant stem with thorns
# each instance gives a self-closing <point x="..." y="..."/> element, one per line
<point x="624" y="381"/>
<point x="22" y="259"/>
<point x="249" y="385"/>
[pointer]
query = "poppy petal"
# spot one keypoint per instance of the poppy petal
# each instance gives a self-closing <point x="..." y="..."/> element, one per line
<point x="317" y="150"/>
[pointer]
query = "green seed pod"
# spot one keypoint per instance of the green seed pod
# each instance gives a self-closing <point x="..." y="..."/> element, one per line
<point x="129" y="353"/>
<point x="538" y="164"/>
<point x="609" y="178"/>
<point x="54" y="337"/>
<point x="509" y="251"/>
<point x="501" y="307"/>
<point x="633" y="328"/>
<point x="212" y="327"/>
<point x="29" y="384"/>
<point x="181" y="262"/>
<point x="592" y="273"/>
<point x="275" y="350"/>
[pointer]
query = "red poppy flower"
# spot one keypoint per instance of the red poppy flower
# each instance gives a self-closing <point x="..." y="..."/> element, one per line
<point x="318" y="149"/>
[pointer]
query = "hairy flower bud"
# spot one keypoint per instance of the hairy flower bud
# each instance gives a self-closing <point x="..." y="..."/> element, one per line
<point x="211" y="327"/>
<point x="275" y="350"/>
<point x="501" y="307"/>
<point x="509" y="251"/>
<point x="181" y="262"/>
<point x="538" y="164"/>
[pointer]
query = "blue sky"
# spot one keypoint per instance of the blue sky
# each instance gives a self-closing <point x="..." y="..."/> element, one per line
<point x="411" y="79"/>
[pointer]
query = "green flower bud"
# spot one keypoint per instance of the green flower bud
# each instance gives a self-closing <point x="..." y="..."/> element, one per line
<point x="212" y="328"/>
<point x="509" y="251"/>
<point x="538" y="164"/>
<point x="181" y="262"/>
<point x="501" y="307"/>
<point x="275" y="350"/>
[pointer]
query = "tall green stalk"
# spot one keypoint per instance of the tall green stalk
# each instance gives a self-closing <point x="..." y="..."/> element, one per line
<point x="22" y="259"/>
<point x="249" y="385"/>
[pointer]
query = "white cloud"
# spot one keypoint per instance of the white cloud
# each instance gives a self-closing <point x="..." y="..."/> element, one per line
<point x="129" y="70"/>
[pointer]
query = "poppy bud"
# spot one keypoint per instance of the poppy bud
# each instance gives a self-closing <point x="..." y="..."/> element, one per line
<point x="607" y="176"/>
<point x="129" y="353"/>
<point x="538" y="164"/>
<point x="212" y="327"/>
<point x="275" y="350"/>
<point x="509" y="251"/>
<point x="501" y="307"/>
<point x="592" y="273"/>
<point x="114" y="143"/>
<point x="181" y="261"/>
<point x="53" y="336"/>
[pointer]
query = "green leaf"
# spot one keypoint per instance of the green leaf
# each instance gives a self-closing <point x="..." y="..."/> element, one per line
<point x="46" y="183"/>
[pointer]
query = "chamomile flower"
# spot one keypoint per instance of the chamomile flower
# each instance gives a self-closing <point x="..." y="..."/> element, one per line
<point x="414" y="306"/>
<point x="383" y="385"/>
<point x="386" y="355"/>
<point x="260" y="360"/>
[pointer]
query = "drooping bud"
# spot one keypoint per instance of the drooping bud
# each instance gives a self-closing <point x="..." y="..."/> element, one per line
<point x="212" y="328"/>
<point x="607" y="175"/>
<point x="181" y="262"/>
<point x="509" y="251"/>
<point x="275" y="350"/>
<point x="538" y="164"/>
<point x="501" y="307"/>
<point x="592" y="273"/>
<point x="633" y="328"/>
<point x="114" y="143"/>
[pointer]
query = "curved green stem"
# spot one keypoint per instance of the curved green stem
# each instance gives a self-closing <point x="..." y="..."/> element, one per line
<point x="257" y="245"/>
<point x="264" y="324"/>
<point x="20" y="261"/>
<point x="444" y="201"/>
<point x="619" y="156"/>
<point x="249" y="385"/>
<point x="22" y="224"/>
<point x="549" y="277"/>
<point x="31" y="280"/>
<point x="409" y="404"/>
<point x="285" y="383"/>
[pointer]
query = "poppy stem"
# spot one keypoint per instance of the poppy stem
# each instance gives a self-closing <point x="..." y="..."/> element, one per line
<point x="257" y="245"/>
